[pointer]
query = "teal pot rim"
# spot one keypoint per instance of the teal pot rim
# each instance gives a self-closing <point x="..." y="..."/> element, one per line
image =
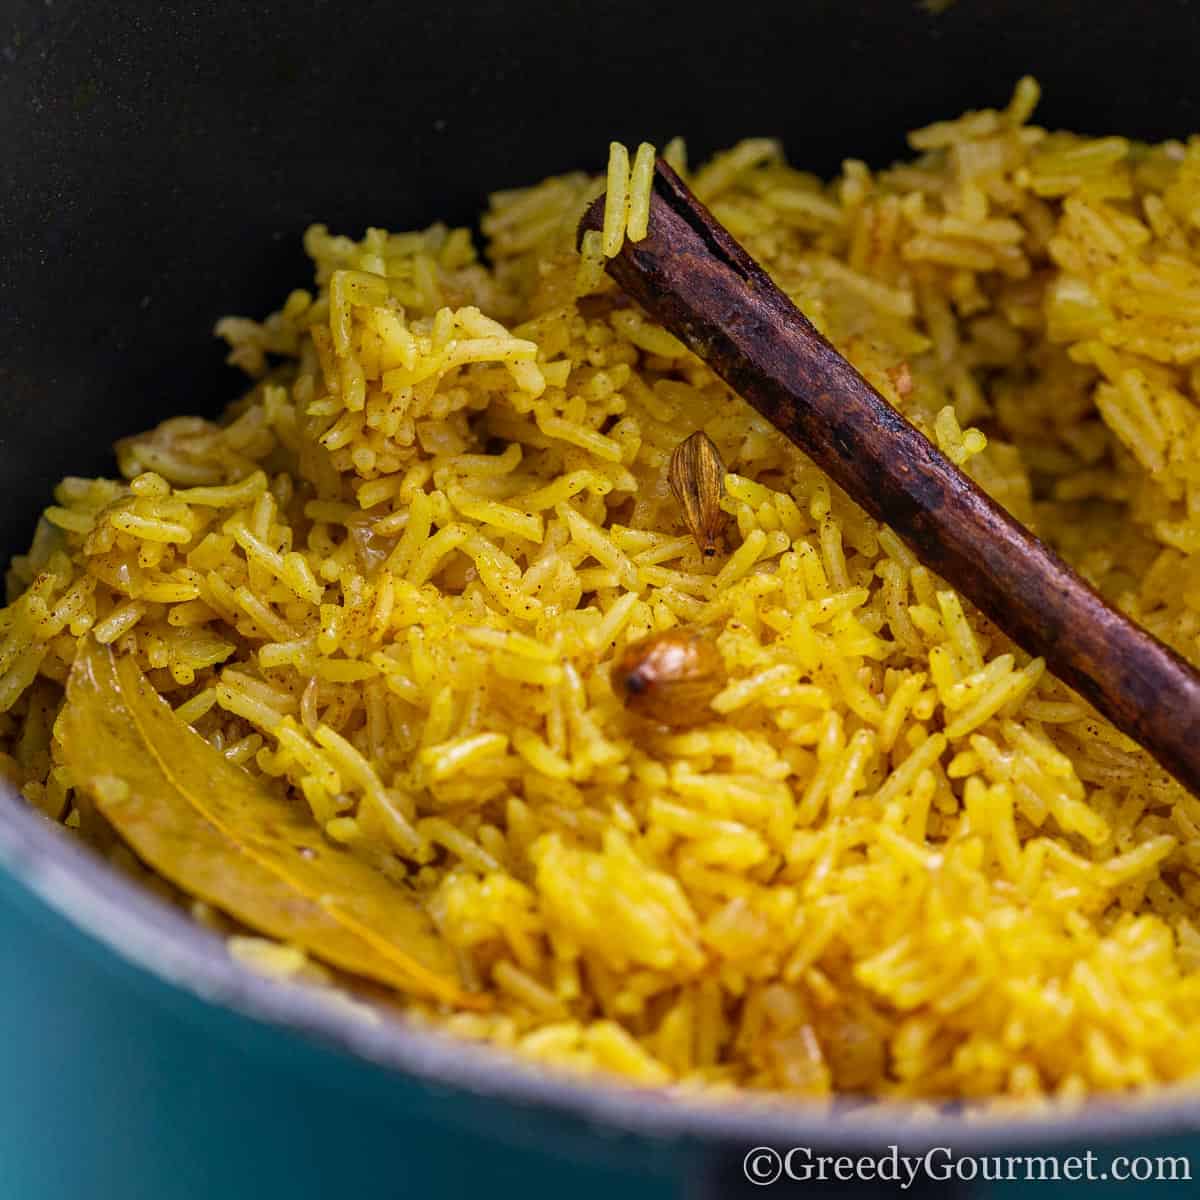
<point x="138" y="930"/>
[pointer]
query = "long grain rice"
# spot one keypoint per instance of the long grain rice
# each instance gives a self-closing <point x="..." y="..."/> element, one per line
<point x="900" y="858"/>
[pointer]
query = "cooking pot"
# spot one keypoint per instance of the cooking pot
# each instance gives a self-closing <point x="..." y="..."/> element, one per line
<point x="161" y="163"/>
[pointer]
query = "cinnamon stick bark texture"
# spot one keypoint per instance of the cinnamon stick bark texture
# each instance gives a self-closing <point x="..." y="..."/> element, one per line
<point x="694" y="278"/>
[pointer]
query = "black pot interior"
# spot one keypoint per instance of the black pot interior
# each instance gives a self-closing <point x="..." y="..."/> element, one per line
<point x="162" y="161"/>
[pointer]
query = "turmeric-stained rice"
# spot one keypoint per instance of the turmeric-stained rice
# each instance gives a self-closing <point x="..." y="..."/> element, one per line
<point x="900" y="858"/>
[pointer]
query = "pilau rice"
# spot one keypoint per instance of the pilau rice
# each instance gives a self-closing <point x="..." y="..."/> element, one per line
<point x="900" y="859"/>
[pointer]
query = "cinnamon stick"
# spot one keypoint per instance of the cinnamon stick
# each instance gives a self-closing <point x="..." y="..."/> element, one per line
<point x="693" y="277"/>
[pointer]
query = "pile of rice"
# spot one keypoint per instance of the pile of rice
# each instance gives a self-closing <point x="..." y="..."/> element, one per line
<point x="901" y="858"/>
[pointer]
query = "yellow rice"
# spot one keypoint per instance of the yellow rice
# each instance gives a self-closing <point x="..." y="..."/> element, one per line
<point x="901" y="858"/>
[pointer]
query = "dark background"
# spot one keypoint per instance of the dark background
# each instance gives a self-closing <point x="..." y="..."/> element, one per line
<point x="162" y="159"/>
<point x="160" y="163"/>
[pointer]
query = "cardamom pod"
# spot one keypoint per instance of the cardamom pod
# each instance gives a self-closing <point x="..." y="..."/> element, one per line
<point x="670" y="677"/>
<point x="697" y="479"/>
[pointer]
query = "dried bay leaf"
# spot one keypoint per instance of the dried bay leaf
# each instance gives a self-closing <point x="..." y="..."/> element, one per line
<point x="226" y="837"/>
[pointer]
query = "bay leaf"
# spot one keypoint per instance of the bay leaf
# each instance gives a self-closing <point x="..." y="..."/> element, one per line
<point x="229" y="839"/>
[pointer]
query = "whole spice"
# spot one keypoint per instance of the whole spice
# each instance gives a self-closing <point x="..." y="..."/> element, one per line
<point x="670" y="677"/>
<point x="228" y="838"/>
<point x="697" y="479"/>
<point x="692" y="276"/>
